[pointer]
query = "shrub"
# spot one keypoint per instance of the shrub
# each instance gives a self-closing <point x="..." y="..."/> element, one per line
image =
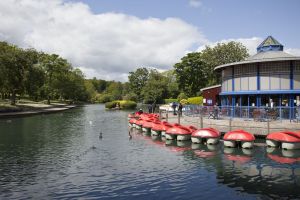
<point x="184" y="101"/>
<point x="168" y="101"/>
<point x="111" y="104"/>
<point x="127" y="104"/>
<point x="195" y="100"/>
<point x="123" y="104"/>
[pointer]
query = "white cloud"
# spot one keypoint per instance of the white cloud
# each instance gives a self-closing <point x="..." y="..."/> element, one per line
<point x="195" y="3"/>
<point x="106" y="45"/>
<point x="250" y="43"/>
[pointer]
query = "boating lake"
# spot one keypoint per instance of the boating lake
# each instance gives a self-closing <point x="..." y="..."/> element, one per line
<point x="61" y="156"/>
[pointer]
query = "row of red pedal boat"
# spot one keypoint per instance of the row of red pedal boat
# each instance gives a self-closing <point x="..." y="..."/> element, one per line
<point x="150" y="124"/>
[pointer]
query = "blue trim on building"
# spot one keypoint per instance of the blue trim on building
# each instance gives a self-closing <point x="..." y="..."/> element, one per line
<point x="258" y="77"/>
<point x="262" y="92"/>
<point x="291" y="75"/>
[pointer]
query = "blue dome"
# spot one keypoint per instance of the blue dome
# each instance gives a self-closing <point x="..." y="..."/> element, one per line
<point x="269" y="44"/>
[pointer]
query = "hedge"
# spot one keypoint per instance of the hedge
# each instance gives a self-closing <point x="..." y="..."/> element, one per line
<point x="195" y="100"/>
<point x="168" y="101"/>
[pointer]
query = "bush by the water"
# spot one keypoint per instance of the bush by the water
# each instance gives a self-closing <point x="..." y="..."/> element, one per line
<point x="127" y="104"/>
<point x="195" y="100"/>
<point x="123" y="104"/>
<point x="111" y="104"/>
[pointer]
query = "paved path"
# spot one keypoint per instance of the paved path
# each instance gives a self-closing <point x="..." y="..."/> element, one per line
<point x="225" y="124"/>
<point x="35" y="112"/>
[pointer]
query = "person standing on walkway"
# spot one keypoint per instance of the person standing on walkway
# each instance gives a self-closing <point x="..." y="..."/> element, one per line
<point x="174" y="108"/>
<point x="180" y="109"/>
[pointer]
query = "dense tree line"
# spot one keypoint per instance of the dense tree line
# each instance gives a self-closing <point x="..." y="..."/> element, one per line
<point x="38" y="76"/>
<point x="193" y="72"/>
<point x="41" y="76"/>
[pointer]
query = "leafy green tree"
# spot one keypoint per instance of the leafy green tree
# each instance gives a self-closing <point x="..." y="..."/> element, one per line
<point x="222" y="54"/>
<point x="137" y="80"/>
<point x="115" y="89"/>
<point x="172" y="85"/>
<point x="155" y="87"/>
<point x="15" y="63"/>
<point x="72" y="86"/>
<point x="91" y="92"/>
<point x="56" y="70"/>
<point x="100" y="85"/>
<point x="34" y="76"/>
<point x="191" y="73"/>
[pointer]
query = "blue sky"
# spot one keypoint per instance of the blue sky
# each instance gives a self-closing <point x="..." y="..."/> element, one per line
<point x="108" y="39"/>
<point x="219" y="19"/>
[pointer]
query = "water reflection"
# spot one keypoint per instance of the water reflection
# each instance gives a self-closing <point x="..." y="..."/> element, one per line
<point x="205" y="151"/>
<point x="283" y="156"/>
<point x="61" y="156"/>
<point x="241" y="155"/>
<point x="251" y="171"/>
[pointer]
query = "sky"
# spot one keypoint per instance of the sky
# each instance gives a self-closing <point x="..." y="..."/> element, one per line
<point x="107" y="39"/>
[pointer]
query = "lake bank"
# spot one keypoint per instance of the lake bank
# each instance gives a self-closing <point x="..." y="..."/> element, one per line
<point x="34" y="109"/>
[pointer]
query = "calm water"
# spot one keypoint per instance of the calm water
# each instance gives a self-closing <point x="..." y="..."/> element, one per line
<point x="60" y="156"/>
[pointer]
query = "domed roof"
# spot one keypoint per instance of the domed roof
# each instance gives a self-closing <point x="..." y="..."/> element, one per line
<point x="269" y="50"/>
<point x="269" y="44"/>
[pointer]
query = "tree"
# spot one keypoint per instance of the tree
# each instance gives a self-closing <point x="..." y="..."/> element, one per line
<point x="115" y="89"/>
<point x="56" y="70"/>
<point x="15" y="63"/>
<point x="172" y="85"/>
<point x="137" y="80"/>
<point x="155" y="87"/>
<point x="222" y="54"/>
<point x="191" y="73"/>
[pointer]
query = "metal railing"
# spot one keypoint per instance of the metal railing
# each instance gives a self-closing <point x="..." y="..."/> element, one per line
<point x="247" y="112"/>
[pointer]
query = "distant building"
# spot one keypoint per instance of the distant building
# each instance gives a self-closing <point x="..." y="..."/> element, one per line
<point x="211" y="95"/>
<point x="270" y="78"/>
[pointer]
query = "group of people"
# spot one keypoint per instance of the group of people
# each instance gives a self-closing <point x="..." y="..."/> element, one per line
<point x="152" y="107"/>
<point x="174" y="106"/>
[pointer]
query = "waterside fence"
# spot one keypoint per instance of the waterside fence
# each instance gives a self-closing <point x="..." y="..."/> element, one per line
<point x="257" y="120"/>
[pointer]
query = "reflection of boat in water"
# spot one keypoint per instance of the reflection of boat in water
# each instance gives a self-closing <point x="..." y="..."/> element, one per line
<point x="283" y="156"/>
<point x="205" y="151"/>
<point x="239" y="138"/>
<point x="258" y="175"/>
<point x="178" y="146"/>
<point x="284" y="139"/>
<point x="239" y="155"/>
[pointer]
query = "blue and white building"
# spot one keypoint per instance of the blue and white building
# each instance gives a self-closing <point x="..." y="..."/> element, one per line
<point x="268" y="79"/>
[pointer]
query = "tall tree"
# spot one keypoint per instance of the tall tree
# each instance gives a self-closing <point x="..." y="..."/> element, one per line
<point x="56" y="69"/>
<point x="155" y="89"/>
<point x="191" y="73"/>
<point x="222" y="54"/>
<point x="137" y="80"/>
<point x="172" y="85"/>
<point x="15" y="63"/>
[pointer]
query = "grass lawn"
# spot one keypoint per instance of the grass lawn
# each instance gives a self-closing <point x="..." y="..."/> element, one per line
<point x="25" y="105"/>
